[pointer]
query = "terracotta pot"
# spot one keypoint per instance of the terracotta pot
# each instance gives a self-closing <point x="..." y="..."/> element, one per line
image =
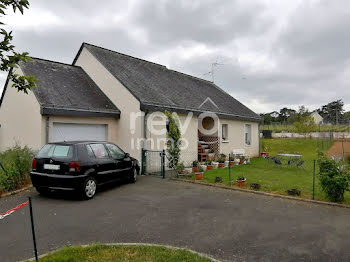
<point x="240" y="183"/>
<point x="199" y="175"/>
<point x="221" y="165"/>
<point x="232" y="163"/>
<point x="264" y="154"/>
<point x="194" y="169"/>
<point x="210" y="167"/>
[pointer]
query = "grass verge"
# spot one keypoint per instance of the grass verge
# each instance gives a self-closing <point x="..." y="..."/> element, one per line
<point x="109" y="253"/>
<point x="274" y="179"/>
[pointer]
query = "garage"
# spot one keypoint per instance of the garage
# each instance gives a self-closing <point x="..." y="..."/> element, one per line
<point x="74" y="132"/>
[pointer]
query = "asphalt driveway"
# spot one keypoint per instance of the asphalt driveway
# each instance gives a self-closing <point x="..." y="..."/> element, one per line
<point x="227" y="225"/>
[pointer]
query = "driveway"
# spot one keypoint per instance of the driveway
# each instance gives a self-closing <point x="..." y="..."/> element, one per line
<point x="227" y="225"/>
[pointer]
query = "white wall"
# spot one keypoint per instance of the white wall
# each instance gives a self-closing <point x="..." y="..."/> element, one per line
<point x="236" y="137"/>
<point x="20" y="119"/>
<point x="127" y="138"/>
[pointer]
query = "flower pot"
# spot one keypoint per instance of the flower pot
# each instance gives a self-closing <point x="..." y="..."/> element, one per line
<point x="264" y="154"/>
<point x="232" y="163"/>
<point x="210" y="167"/>
<point x="227" y="163"/>
<point x="240" y="183"/>
<point x="194" y="169"/>
<point x="221" y="165"/>
<point x="199" y="175"/>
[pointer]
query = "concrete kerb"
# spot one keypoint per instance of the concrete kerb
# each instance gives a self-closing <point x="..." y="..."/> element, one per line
<point x="131" y="244"/>
<point x="16" y="191"/>
<point x="263" y="193"/>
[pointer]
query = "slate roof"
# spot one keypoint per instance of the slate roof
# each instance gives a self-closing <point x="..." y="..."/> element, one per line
<point x="64" y="89"/>
<point x="159" y="88"/>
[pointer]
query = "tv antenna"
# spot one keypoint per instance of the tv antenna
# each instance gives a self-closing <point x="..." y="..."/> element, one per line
<point x="213" y="66"/>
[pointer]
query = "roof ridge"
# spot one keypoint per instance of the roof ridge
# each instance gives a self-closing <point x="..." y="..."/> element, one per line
<point x="52" y="61"/>
<point x="134" y="57"/>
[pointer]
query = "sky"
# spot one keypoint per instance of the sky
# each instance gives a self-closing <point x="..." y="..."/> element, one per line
<point x="272" y="54"/>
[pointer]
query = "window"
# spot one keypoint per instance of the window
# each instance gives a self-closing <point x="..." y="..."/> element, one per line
<point x="51" y="150"/>
<point x="90" y="152"/>
<point x="99" y="150"/>
<point x="248" y="134"/>
<point x="224" y="132"/>
<point x="115" y="151"/>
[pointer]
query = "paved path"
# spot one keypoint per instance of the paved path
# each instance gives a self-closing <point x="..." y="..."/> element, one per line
<point x="227" y="225"/>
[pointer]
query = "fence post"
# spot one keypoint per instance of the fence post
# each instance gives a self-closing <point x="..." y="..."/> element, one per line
<point x="163" y="163"/>
<point x="313" y="181"/>
<point x="33" y="229"/>
<point x="229" y="167"/>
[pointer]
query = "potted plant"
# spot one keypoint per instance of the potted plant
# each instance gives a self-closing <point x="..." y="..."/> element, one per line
<point x="199" y="173"/>
<point x="180" y="167"/>
<point x="231" y="161"/>
<point x="240" y="181"/>
<point x="209" y="164"/>
<point x="264" y="152"/>
<point x="221" y="162"/>
<point x="195" y="166"/>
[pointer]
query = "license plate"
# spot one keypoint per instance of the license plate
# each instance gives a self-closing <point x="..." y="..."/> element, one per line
<point x="51" y="167"/>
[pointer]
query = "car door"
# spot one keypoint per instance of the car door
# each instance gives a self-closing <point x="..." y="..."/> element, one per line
<point x="122" y="161"/>
<point x="104" y="164"/>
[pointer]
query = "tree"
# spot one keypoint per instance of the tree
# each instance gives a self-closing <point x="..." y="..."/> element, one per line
<point x="9" y="58"/>
<point x="305" y="125"/>
<point x="333" y="112"/>
<point x="285" y="113"/>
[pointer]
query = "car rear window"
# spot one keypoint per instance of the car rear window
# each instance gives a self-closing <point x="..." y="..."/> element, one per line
<point x="52" y="150"/>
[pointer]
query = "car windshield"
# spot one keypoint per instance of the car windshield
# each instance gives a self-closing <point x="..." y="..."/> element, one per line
<point x="52" y="150"/>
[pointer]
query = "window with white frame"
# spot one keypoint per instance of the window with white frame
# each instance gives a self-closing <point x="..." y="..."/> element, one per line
<point x="224" y="134"/>
<point x="248" y="134"/>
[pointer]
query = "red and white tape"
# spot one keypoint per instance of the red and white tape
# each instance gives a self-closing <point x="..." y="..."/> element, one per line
<point x="12" y="210"/>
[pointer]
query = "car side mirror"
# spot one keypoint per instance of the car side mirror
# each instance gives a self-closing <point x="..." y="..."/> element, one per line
<point x="126" y="155"/>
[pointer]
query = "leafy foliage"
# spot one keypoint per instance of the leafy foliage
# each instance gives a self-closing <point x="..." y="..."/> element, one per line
<point x="9" y="58"/>
<point x="174" y="140"/>
<point x="17" y="163"/>
<point x="334" y="179"/>
<point x="305" y="125"/>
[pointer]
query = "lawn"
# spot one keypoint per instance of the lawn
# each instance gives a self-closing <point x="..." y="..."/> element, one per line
<point x="292" y="129"/>
<point x="278" y="179"/>
<point x="105" y="253"/>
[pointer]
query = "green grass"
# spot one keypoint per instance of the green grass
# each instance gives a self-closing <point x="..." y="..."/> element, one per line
<point x="105" y="253"/>
<point x="278" y="179"/>
<point x="292" y="129"/>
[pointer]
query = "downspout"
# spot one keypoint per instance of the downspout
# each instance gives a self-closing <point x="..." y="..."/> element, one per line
<point x="47" y="129"/>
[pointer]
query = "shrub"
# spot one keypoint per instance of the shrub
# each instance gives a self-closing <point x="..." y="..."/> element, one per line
<point x="195" y="163"/>
<point x="17" y="163"/>
<point x="180" y="167"/>
<point x="334" y="179"/>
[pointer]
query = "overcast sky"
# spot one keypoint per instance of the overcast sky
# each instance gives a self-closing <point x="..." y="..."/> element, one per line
<point x="274" y="53"/>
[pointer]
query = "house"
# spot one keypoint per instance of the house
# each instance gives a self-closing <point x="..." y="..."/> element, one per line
<point x="106" y="95"/>
<point x="318" y="119"/>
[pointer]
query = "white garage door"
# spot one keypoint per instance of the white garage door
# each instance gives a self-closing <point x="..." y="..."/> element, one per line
<point x="74" y="132"/>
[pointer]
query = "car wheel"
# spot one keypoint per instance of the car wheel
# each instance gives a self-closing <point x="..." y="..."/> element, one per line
<point x="133" y="176"/>
<point x="89" y="188"/>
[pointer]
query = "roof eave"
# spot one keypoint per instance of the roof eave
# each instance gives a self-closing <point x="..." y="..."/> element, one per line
<point x="77" y="112"/>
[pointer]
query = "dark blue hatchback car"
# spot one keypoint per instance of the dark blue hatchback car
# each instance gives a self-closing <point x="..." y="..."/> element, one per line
<point x="81" y="166"/>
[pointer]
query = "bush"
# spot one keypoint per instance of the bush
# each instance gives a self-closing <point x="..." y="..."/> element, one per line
<point x="334" y="179"/>
<point x="17" y="163"/>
